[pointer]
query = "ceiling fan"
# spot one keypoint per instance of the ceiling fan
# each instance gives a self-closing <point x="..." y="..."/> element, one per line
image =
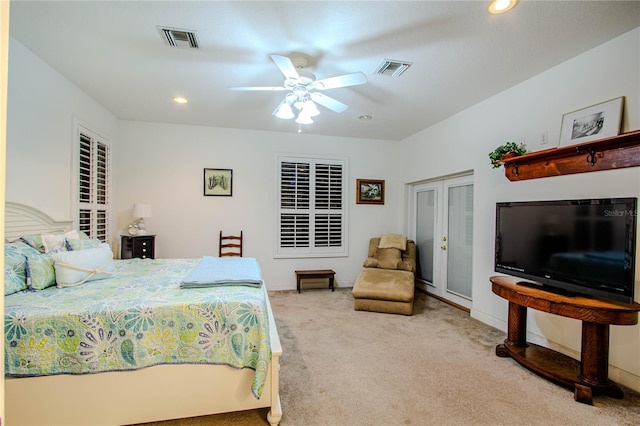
<point x="304" y="90"/>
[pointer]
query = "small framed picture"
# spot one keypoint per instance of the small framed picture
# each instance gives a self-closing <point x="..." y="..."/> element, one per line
<point x="592" y="123"/>
<point x="218" y="182"/>
<point x="369" y="191"/>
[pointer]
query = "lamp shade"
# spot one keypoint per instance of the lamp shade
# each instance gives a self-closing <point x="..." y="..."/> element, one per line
<point x="141" y="210"/>
<point x="284" y="111"/>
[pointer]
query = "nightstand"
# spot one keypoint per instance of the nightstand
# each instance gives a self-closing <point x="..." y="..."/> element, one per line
<point x="142" y="246"/>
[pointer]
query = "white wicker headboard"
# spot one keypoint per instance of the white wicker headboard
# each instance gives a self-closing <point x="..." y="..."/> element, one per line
<point x="24" y="220"/>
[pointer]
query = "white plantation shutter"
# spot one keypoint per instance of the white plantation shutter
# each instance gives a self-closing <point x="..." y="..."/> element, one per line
<point x="84" y="162"/>
<point x="93" y="185"/>
<point x="328" y="205"/>
<point x="311" y="216"/>
<point x="295" y="191"/>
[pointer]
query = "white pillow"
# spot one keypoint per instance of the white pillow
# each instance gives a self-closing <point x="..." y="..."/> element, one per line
<point x="78" y="266"/>
<point x="53" y="243"/>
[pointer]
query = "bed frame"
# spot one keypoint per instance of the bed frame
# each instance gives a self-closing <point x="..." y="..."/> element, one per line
<point x="156" y="393"/>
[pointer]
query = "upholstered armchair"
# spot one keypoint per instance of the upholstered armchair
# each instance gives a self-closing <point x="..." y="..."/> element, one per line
<point x="387" y="281"/>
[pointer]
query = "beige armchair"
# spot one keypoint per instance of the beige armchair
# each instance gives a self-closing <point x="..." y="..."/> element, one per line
<point x="387" y="282"/>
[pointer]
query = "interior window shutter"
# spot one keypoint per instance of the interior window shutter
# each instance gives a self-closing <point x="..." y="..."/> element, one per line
<point x="84" y="221"/>
<point x="93" y="185"/>
<point x="294" y="204"/>
<point x="84" y="162"/>
<point x="328" y="205"/>
<point x="311" y="216"/>
<point x="101" y="174"/>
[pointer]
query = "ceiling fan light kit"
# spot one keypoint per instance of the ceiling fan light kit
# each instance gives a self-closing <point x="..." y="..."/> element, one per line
<point x="301" y="102"/>
<point x="284" y="110"/>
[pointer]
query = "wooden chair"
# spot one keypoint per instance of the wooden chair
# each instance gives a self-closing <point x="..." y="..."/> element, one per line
<point x="230" y="245"/>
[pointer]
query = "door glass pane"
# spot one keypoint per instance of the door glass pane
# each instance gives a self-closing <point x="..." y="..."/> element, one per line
<point x="425" y="231"/>
<point x="460" y="239"/>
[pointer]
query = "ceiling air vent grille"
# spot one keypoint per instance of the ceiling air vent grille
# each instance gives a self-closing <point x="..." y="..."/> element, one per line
<point x="392" y="68"/>
<point x="176" y="37"/>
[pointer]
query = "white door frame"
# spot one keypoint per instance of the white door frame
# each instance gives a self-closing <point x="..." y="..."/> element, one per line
<point x="439" y="285"/>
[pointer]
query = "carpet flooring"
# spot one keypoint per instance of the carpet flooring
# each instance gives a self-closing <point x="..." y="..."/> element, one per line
<point x="436" y="367"/>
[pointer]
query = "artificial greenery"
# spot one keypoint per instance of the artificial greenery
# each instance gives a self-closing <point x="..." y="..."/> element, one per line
<point x="506" y="148"/>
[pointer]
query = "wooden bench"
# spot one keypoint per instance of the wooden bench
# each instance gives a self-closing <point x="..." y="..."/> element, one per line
<point x="322" y="273"/>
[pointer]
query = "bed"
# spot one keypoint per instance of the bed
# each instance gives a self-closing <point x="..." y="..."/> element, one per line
<point x="136" y="388"/>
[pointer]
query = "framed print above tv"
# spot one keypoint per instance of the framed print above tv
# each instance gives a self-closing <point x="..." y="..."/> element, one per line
<point x="218" y="182"/>
<point x="592" y="123"/>
<point x="369" y="191"/>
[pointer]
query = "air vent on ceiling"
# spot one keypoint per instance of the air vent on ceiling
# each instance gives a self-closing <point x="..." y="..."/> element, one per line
<point x="176" y="37"/>
<point x="392" y="68"/>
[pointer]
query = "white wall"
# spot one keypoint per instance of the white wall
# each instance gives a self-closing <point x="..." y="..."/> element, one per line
<point x="525" y="111"/>
<point x="162" y="164"/>
<point x="41" y="108"/>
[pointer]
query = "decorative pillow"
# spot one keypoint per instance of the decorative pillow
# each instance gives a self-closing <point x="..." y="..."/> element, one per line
<point x="393" y="241"/>
<point x="15" y="269"/>
<point x="53" y="242"/>
<point x="38" y="266"/>
<point x="76" y="267"/>
<point x="15" y="277"/>
<point x="25" y="249"/>
<point x="40" y="272"/>
<point x="388" y="258"/>
<point x="82" y="244"/>
<point x="370" y="262"/>
<point x="406" y="266"/>
<point x="34" y="241"/>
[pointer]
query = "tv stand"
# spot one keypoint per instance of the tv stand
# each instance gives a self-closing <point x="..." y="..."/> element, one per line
<point x="590" y="375"/>
<point x="550" y="289"/>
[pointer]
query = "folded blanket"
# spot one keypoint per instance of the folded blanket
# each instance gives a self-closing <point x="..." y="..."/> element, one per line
<point x="221" y="271"/>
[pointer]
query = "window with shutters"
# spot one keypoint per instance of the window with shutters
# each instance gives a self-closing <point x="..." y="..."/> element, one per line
<point x="94" y="184"/>
<point x="311" y="211"/>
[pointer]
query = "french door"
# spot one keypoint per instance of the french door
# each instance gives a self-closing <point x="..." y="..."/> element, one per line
<point x="442" y="227"/>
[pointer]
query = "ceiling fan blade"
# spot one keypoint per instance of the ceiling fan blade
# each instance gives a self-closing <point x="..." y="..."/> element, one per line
<point x="286" y="66"/>
<point x="328" y="102"/>
<point x="345" y="80"/>
<point x="253" y="89"/>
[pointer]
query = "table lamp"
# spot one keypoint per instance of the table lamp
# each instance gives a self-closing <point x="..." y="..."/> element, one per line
<point x="141" y="210"/>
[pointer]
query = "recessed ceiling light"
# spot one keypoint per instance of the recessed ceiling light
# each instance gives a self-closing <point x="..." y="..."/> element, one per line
<point x="180" y="100"/>
<point x="365" y="117"/>
<point x="501" y="6"/>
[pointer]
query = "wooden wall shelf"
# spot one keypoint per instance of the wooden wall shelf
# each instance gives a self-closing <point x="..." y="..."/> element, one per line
<point x="604" y="154"/>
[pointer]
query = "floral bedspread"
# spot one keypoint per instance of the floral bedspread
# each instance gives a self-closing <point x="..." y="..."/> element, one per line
<point x="138" y="318"/>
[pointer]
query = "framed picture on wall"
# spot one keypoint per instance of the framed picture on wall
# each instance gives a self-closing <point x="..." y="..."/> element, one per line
<point x="369" y="191"/>
<point x="592" y="123"/>
<point x="218" y="182"/>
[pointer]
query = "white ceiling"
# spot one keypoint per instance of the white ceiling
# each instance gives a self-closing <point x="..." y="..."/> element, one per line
<point x="461" y="55"/>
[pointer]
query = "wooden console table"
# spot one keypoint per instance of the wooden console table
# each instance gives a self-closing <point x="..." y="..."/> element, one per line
<point x="590" y="375"/>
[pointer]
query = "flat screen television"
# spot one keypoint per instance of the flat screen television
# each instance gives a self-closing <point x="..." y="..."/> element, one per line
<point x="574" y="247"/>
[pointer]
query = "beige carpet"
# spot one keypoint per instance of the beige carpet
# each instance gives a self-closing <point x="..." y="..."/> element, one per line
<point x="437" y="367"/>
